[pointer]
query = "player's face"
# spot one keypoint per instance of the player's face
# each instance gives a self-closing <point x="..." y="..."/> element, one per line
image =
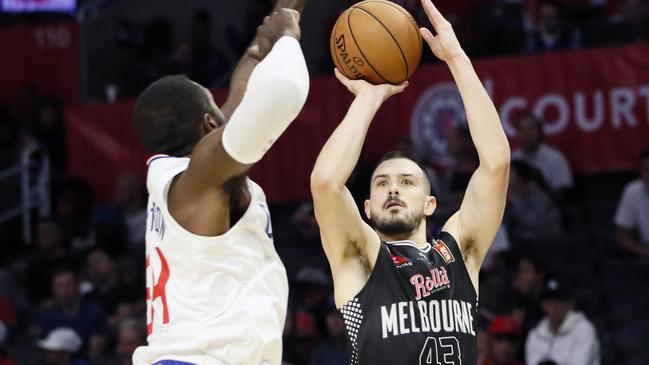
<point x="399" y="197"/>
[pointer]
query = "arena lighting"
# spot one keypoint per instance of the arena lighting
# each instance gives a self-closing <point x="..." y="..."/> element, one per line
<point x="28" y="6"/>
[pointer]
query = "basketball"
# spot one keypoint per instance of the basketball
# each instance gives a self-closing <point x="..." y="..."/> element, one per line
<point x="378" y="41"/>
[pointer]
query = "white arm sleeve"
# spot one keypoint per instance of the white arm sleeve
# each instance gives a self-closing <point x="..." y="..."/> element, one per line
<point x="275" y="94"/>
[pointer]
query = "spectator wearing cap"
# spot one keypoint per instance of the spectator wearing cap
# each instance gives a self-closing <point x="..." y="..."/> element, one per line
<point x="548" y="160"/>
<point x="69" y="310"/>
<point x="564" y="335"/>
<point x="60" y="346"/>
<point x="504" y="334"/>
<point x="314" y="287"/>
<point x="632" y="217"/>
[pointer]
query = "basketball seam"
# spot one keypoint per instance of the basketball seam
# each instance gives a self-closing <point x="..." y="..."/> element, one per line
<point x="404" y="12"/>
<point x="403" y="55"/>
<point x="334" y="44"/>
<point x="351" y="31"/>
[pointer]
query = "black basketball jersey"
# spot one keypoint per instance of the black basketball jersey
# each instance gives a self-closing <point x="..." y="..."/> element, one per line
<point x="418" y="307"/>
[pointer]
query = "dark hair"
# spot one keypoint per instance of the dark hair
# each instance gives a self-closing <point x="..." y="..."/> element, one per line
<point x="393" y="155"/>
<point x="644" y="154"/>
<point x="168" y="114"/>
<point x="64" y="270"/>
<point x="529" y="173"/>
<point x="529" y="115"/>
<point x="538" y="264"/>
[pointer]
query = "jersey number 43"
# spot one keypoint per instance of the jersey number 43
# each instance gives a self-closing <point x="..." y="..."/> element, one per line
<point x="441" y="351"/>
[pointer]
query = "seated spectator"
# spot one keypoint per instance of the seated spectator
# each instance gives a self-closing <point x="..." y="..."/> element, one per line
<point x="126" y="214"/>
<point x="551" y="33"/>
<point x="106" y="287"/>
<point x="528" y="284"/>
<point x="72" y="206"/>
<point x="504" y="334"/>
<point x="564" y="335"/>
<point x="131" y="335"/>
<point x="531" y="215"/>
<point x="548" y="160"/>
<point x="60" y="346"/>
<point x="48" y="128"/>
<point x="51" y="252"/>
<point x="201" y="59"/>
<point x="313" y="287"/>
<point x="86" y="318"/>
<point x="632" y="217"/>
<point x="331" y="350"/>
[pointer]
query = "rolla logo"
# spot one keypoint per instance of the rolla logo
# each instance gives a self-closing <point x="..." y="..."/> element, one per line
<point x="349" y="62"/>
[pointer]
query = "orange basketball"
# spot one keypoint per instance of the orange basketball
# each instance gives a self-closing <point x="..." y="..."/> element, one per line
<point x="378" y="41"/>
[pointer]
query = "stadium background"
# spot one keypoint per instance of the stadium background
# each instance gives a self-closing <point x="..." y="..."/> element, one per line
<point x="72" y="172"/>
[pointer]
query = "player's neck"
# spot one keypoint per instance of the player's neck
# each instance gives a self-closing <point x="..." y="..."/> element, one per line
<point x="418" y="236"/>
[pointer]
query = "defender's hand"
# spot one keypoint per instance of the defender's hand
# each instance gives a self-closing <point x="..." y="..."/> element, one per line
<point x="444" y="45"/>
<point x="284" y="22"/>
<point x="357" y="87"/>
<point x="290" y="4"/>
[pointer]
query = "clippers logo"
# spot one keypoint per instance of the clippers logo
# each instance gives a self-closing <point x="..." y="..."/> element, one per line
<point x="444" y="251"/>
<point x="350" y="62"/>
<point x="400" y="262"/>
<point x="437" y="113"/>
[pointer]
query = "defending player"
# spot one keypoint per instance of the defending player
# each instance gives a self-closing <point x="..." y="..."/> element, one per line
<point x="216" y="289"/>
<point x="404" y="300"/>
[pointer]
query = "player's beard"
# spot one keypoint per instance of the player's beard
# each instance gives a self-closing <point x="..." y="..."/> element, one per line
<point x="398" y="226"/>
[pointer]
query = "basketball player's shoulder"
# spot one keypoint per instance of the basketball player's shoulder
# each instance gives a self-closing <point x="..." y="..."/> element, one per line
<point x="161" y="169"/>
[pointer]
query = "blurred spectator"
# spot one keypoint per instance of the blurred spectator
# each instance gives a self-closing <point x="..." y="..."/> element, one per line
<point x="5" y="357"/>
<point x="499" y="247"/>
<point x="105" y="287"/>
<point x="131" y="335"/>
<point x="314" y="287"/>
<point x="60" y="346"/>
<point x="632" y="217"/>
<point x="552" y="32"/>
<point x="528" y="283"/>
<point x="531" y="215"/>
<point x="127" y="213"/>
<point x="51" y="252"/>
<point x="72" y="207"/>
<point x="548" y="160"/>
<point x="504" y="335"/>
<point x="48" y="127"/>
<point x="255" y="11"/>
<point x="564" y="335"/>
<point x="331" y="350"/>
<point x="636" y="13"/>
<point x="200" y="59"/>
<point x="307" y="337"/>
<point x="308" y="248"/>
<point x="68" y="309"/>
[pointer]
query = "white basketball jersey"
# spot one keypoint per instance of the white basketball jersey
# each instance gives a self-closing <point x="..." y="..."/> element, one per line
<point x="211" y="300"/>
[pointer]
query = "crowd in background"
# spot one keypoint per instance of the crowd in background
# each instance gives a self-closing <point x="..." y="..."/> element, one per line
<point x="76" y="294"/>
